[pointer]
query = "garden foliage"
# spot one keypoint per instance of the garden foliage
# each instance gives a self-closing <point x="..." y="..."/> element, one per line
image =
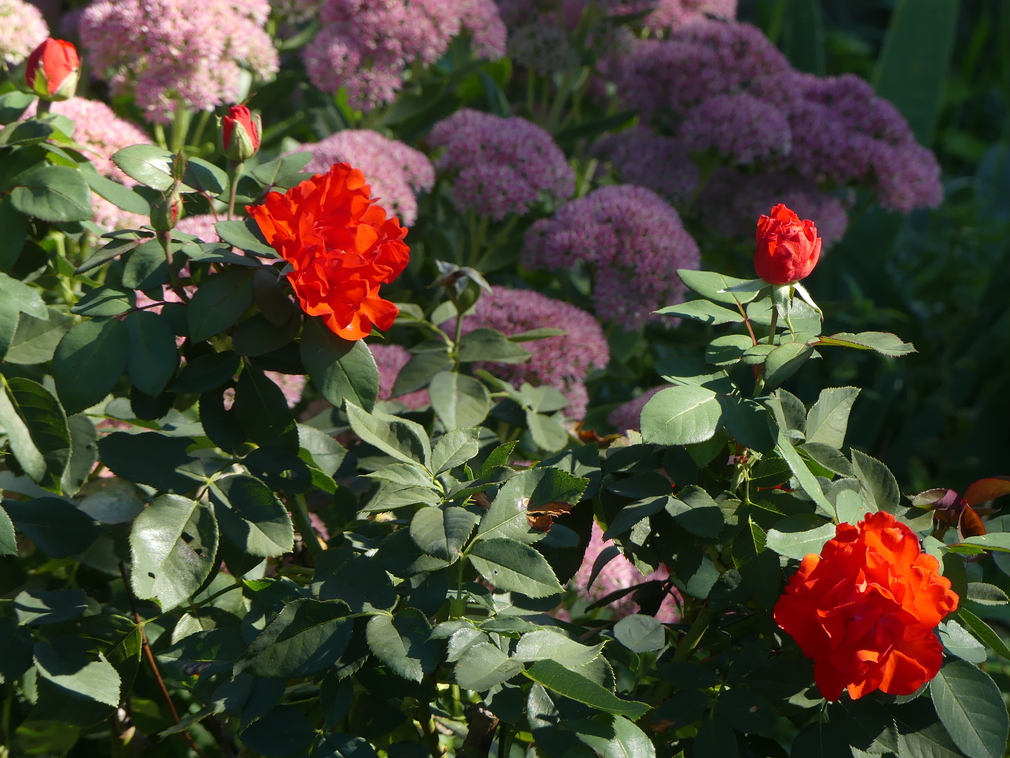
<point x="283" y="477"/>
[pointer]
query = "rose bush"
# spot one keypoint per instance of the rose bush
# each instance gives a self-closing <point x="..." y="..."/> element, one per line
<point x="283" y="479"/>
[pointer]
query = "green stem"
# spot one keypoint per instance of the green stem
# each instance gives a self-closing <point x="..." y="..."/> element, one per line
<point x="458" y="606"/>
<point x="201" y="126"/>
<point x="693" y="636"/>
<point x="423" y="716"/>
<point x="165" y="238"/>
<point x="159" y="136"/>
<point x="234" y="174"/>
<point x="43" y="107"/>
<point x="477" y="239"/>
<point x="180" y="127"/>
<point x="300" y="513"/>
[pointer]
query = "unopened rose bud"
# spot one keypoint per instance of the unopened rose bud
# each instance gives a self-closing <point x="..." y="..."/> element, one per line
<point x="52" y="70"/>
<point x="240" y="134"/>
<point x="787" y="248"/>
<point x="166" y="212"/>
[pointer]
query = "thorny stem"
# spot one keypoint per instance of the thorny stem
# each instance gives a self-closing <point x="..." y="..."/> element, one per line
<point x="165" y="238"/>
<point x="300" y="511"/>
<point x="149" y="655"/>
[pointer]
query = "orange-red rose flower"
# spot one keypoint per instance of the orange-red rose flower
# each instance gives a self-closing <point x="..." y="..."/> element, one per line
<point x="787" y="248"/>
<point x="866" y="608"/>
<point x="341" y="247"/>
<point x="52" y="70"/>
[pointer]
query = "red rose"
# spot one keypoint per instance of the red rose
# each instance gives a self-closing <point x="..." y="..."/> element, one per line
<point x="52" y="70"/>
<point x="341" y="247"/>
<point x="866" y="608"/>
<point x="787" y="248"/>
<point x="240" y="134"/>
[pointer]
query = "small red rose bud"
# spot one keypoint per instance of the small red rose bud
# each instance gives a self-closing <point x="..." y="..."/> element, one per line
<point x="52" y="70"/>
<point x="166" y="211"/>
<point x="787" y="248"/>
<point x="240" y="134"/>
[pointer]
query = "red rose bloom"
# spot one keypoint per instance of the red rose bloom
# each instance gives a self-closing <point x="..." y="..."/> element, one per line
<point x="787" y="248"/>
<point x="866" y="608"/>
<point x="341" y="247"/>
<point x="52" y="70"/>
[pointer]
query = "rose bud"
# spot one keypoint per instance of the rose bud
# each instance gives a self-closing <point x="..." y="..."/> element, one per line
<point x="166" y="211"/>
<point x="52" y="70"/>
<point x="787" y="248"/>
<point x="240" y="134"/>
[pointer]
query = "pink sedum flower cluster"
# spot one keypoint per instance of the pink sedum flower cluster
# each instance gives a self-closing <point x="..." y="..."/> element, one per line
<point x="642" y="157"/>
<point x="395" y="171"/>
<point x="629" y="415"/>
<point x="365" y="45"/>
<point x="390" y="360"/>
<point x="561" y="362"/>
<point x="22" y="29"/>
<point x="633" y="241"/>
<point x="500" y="165"/>
<point x="618" y="574"/>
<point x="194" y="52"/>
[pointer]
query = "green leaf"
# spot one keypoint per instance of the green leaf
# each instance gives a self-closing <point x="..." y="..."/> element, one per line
<point x="89" y="361"/>
<point x="13" y="105"/>
<point x="402" y="643"/>
<point x="528" y="490"/>
<point x="35" y="340"/>
<point x="37" y="430"/>
<point x="8" y="541"/>
<point x="747" y="711"/>
<point x="881" y="342"/>
<point x="459" y="400"/>
<point x="272" y="172"/>
<point x="747" y="421"/>
<point x="484" y="666"/>
<point x="798" y="536"/>
<point x="971" y="708"/>
<point x="442" y="531"/>
<point x="912" y="68"/>
<point x="219" y="303"/>
<point x="712" y="286"/>
<point x="728" y="349"/>
<point x="986" y="594"/>
<point x="150" y="458"/>
<point x="66" y="663"/>
<point x="53" y="193"/>
<point x="263" y="412"/>
<point x="920" y="733"/>
<point x="149" y="165"/>
<point x="22" y="297"/>
<point x="359" y="581"/>
<point x="547" y="644"/>
<point x="958" y="641"/>
<point x="420" y="369"/>
<point x="206" y="372"/>
<point x="614" y="737"/>
<point x="173" y="544"/>
<point x="984" y="632"/>
<point x="251" y="516"/>
<point x="828" y="419"/>
<point x="205" y="177"/>
<point x="820" y="740"/>
<point x="557" y="678"/>
<point x="403" y="439"/>
<point x="631" y="514"/>
<point x="512" y="566"/>
<point x="153" y="354"/>
<point x="547" y="432"/>
<point x="704" y="311"/>
<point x="850" y="507"/>
<point x="640" y="634"/>
<point x="454" y="449"/>
<point x="37" y="607"/>
<point x="339" y="368"/>
<point x="120" y="196"/>
<point x="485" y="344"/>
<point x="257" y="336"/>
<point x="878" y="483"/>
<point x="806" y="479"/>
<point x="784" y="361"/>
<point x="56" y="526"/>
<point x="15" y="227"/>
<point x="282" y="731"/>
<point x="343" y="746"/>
<point x="245" y="235"/>
<point x="681" y="416"/>
<point x="306" y="637"/>
<point x="104" y="301"/>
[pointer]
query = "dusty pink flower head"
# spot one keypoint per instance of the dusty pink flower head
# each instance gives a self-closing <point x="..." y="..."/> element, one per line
<point x="618" y="574"/>
<point x="292" y="385"/>
<point x="731" y="200"/>
<point x="671" y="14"/>
<point x="394" y="170"/>
<point x="501" y="165"/>
<point x="190" y="51"/>
<point x="634" y="242"/>
<point x="628" y="416"/>
<point x="365" y="45"/>
<point x="201" y="227"/>
<point x="390" y="359"/>
<point x="562" y="362"/>
<point x="698" y="61"/>
<point x="22" y="29"/>
<point x="642" y="157"/>
<point x="738" y="127"/>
